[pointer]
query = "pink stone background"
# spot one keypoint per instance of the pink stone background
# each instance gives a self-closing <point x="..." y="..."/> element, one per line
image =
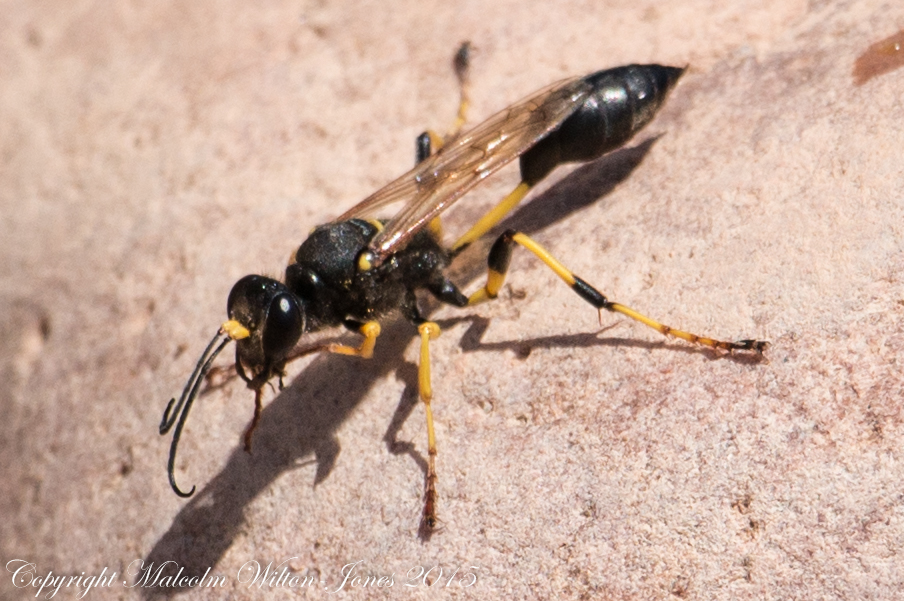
<point x="152" y="153"/>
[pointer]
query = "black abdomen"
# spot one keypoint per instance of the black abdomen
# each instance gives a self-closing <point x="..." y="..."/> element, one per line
<point x="623" y="100"/>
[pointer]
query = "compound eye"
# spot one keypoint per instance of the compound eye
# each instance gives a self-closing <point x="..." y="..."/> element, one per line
<point x="283" y="326"/>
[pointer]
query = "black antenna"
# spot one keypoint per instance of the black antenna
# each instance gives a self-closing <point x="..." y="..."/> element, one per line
<point x="189" y="394"/>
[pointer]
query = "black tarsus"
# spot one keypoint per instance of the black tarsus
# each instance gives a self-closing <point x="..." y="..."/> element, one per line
<point x="462" y="61"/>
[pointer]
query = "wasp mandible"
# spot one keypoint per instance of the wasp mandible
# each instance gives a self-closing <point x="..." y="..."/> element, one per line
<point x="357" y="270"/>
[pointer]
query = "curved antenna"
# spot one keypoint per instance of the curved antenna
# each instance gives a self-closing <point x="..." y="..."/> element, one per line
<point x="189" y="394"/>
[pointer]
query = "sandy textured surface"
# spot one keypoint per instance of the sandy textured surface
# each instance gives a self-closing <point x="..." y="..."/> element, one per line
<point x="151" y="154"/>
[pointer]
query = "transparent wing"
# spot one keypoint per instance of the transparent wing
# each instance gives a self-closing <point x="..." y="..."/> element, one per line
<point x="437" y="182"/>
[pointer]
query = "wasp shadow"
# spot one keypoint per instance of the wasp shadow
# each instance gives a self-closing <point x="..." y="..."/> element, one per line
<point x="299" y="423"/>
<point x="472" y="341"/>
<point x="584" y="186"/>
<point x="303" y="418"/>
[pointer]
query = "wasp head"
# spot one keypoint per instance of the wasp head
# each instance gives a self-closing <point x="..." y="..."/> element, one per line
<point x="266" y="320"/>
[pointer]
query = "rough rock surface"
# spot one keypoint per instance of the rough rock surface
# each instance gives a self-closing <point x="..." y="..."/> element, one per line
<point x="151" y="154"/>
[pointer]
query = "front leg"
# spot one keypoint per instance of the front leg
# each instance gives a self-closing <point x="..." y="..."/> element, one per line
<point x="370" y="330"/>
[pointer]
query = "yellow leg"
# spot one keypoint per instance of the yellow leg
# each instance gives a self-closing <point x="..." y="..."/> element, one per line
<point x="370" y="331"/>
<point x="494" y="216"/>
<point x="431" y="142"/>
<point x="436" y="228"/>
<point x="436" y="141"/>
<point x="428" y="331"/>
<point x="462" y="64"/>
<point x="495" y="279"/>
<point x="500" y="256"/>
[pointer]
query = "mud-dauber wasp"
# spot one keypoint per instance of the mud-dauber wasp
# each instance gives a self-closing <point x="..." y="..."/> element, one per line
<point x="356" y="270"/>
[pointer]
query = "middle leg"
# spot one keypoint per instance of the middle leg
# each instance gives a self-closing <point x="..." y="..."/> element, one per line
<point x="428" y="331"/>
